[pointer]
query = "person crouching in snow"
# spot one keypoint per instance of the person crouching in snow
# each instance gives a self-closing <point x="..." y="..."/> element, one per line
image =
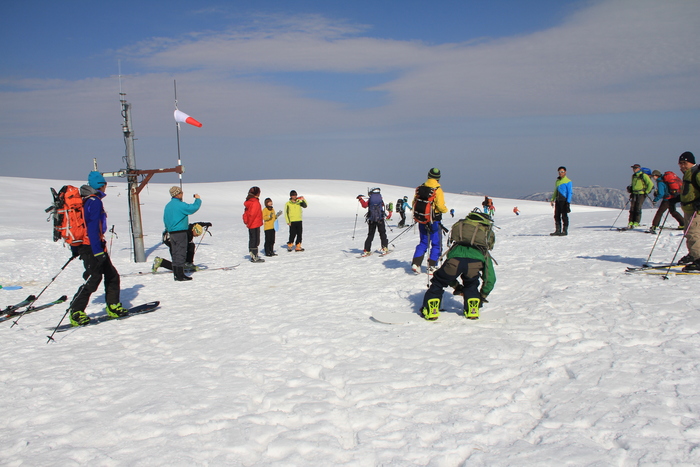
<point x="471" y="261"/>
<point x="253" y="219"/>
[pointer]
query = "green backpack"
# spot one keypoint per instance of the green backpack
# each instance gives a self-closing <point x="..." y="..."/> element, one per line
<point x="474" y="230"/>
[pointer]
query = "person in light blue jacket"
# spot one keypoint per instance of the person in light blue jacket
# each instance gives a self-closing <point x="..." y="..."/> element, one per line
<point x="177" y="221"/>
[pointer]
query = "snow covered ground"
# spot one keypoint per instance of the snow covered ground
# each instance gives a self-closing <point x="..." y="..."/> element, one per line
<point x="280" y="364"/>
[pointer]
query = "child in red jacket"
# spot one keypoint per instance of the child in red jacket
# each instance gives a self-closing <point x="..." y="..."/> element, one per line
<point x="252" y="217"/>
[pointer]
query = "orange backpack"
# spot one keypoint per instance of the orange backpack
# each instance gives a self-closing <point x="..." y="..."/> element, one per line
<point x="68" y="219"/>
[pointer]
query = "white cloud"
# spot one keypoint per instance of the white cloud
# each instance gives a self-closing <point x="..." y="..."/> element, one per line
<point x="613" y="56"/>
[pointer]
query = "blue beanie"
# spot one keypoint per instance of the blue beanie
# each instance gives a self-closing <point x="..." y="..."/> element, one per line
<point x="96" y="180"/>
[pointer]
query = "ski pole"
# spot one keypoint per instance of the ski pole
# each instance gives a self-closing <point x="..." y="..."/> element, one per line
<point x="402" y="232"/>
<point x="206" y="230"/>
<point x="657" y="236"/>
<point x="114" y="234"/>
<point x="685" y="232"/>
<point x="47" y="286"/>
<point x="70" y="307"/>
<point x="387" y="224"/>
<point x="618" y="216"/>
<point x="356" y="214"/>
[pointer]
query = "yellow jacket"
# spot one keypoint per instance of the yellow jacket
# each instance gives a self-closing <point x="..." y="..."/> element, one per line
<point x="269" y="218"/>
<point x="292" y="210"/>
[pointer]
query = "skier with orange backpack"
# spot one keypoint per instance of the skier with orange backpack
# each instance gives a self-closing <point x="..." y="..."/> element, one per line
<point x="668" y="191"/>
<point x="428" y="208"/>
<point x="93" y="252"/>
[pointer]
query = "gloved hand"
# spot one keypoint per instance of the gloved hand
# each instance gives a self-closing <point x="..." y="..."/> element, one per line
<point x="359" y="196"/>
<point x="74" y="252"/>
<point x="653" y="204"/>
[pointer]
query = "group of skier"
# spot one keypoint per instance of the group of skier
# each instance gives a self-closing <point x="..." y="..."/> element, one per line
<point x="466" y="258"/>
<point x="670" y="190"/>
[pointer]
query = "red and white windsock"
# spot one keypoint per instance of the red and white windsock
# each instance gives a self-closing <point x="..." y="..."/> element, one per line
<point x="182" y="117"/>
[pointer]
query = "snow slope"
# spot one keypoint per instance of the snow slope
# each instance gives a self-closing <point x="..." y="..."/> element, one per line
<point x="280" y="364"/>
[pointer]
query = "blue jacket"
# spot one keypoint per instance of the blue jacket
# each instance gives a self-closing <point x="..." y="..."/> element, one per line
<point x="176" y="212"/>
<point x="95" y="218"/>
<point x="563" y="188"/>
<point x="661" y="190"/>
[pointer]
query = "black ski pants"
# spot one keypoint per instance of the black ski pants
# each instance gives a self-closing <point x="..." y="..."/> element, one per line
<point x="373" y="227"/>
<point x="636" y="203"/>
<point x="95" y="269"/>
<point x="254" y="239"/>
<point x="295" y="231"/>
<point x="269" y="242"/>
<point x="561" y="214"/>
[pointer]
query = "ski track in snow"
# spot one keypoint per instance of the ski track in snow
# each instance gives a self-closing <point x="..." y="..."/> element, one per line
<point x="280" y="363"/>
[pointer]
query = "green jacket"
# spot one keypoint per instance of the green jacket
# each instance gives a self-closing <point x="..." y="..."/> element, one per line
<point x="292" y="210"/>
<point x="489" y="273"/>
<point x="690" y="193"/>
<point x="641" y="183"/>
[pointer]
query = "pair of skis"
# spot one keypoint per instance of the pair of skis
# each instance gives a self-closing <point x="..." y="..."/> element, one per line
<point x="13" y="310"/>
<point x="661" y="270"/>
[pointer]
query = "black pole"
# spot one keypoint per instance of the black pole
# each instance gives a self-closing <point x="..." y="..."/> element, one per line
<point x="685" y="232"/>
<point x="47" y="286"/>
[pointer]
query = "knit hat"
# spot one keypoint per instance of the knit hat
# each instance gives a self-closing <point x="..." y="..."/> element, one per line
<point x="174" y="191"/>
<point x="656" y="173"/>
<point x="293" y="193"/>
<point x="96" y="180"/>
<point x="254" y="191"/>
<point x="434" y="173"/>
<point x="687" y="157"/>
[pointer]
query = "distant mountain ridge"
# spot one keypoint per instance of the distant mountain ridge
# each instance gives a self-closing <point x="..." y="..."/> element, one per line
<point x="592" y="196"/>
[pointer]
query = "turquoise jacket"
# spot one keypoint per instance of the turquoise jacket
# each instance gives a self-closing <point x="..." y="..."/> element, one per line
<point x="176" y="212"/>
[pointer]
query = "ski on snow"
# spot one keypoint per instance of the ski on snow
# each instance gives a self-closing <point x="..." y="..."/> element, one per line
<point x="402" y="317"/>
<point x="26" y="302"/>
<point x="379" y="253"/>
<point x="32" y="309"/>
<point x="133" y="311"/>
<point x="167" y="271"/>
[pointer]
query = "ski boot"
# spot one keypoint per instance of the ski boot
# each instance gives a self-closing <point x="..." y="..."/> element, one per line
<point x="156" y="264"/>
<point x="254" y="258"/>
<point x="78" y="318"/>
<point x="116" y="310"/>
<point x="472" y="311"/>
<point x="191" y="267"/>
<point x="687" y="259"/>
<point x="433" y="311"/>
<point x="365" y="253"/>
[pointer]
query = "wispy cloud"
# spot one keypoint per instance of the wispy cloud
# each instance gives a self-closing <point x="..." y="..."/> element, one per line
<point x="612" y="56"/>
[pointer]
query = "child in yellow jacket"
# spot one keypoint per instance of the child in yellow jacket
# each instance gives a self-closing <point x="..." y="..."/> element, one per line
<point x="269" y="219"/>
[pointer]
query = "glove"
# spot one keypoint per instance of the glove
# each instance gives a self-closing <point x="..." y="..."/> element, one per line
<point x="653" y="204"/>
<point x="359" y="196"/>
<point x="74" y="252"/>
<point x="483" y="299"/>
<point x="696" y="205"/>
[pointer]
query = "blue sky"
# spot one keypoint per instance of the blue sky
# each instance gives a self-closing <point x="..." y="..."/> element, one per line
<point x="497" y="94"/>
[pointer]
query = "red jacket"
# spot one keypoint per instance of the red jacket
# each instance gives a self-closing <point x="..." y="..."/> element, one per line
<point x="252" y="216"/>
